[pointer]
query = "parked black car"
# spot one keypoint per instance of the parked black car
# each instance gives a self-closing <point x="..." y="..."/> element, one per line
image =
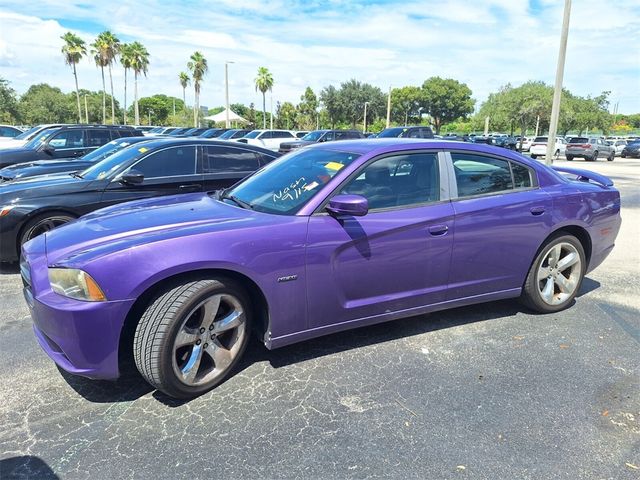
<point x="505" y="142"/>
<point x="192" y="132"/>
<point x="66" y="142"/>
<point x="406" y="132"/>
<point x="318" y="136"/>
<point x="31" y="206"/>
<point x="44" y="167"/>
<point x="233" y="134"/>
<point x="631" y="150"/>
<point x="213" y="132"/>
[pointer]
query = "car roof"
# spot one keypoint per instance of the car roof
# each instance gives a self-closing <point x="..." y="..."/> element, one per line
<point x="170" y="142"/>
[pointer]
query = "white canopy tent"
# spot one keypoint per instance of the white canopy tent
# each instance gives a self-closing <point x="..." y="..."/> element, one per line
<point x="222" y="117"/>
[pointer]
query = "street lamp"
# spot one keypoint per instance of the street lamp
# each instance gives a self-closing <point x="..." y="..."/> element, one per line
<point x="364" y="126"/>
<point x="150" y="113"/>
<point x="226" y="90"/>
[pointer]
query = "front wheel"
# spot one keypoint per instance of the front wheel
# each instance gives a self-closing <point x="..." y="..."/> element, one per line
<point x="43" y="223"/>
<point x="594" y="157"/>
<point x="192" y="335"/>
<point x="611" y="157"/>
<point x="555" y="275"/>
<point x="569" y="158"/>
<point x="534" y="156"/>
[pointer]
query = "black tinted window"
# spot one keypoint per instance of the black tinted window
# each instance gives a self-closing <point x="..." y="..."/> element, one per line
<point x="400" y="180"/>
<point x="97" y="138"/>
<point x="266" y="135"/>
<point x="225" y="159"/>
<point x="477" y="175"/>
<point x="521" y="176"/>
<point x="68" y="139"/>
<point x="168" y="163"/>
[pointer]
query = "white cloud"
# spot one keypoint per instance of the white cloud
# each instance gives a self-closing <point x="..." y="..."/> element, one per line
<point x="317" y="43"/>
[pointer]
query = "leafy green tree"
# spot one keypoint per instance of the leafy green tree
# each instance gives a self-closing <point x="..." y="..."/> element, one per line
<point x="159" y="107"/>
<point x="99" y="51"/>
<point x="406" y="103"/>
<point x="73" y="50"/>
<point x="330" y="98"/>
<point x="93" y="102"/>
<point x="251" y="115"/>
<point x="264" y="83"/>
<point x="198" y="67"/>
<point x="307" y="110"/>
<point x="109" y="48"/>
<point x="126" y="60"/>
<point x="9" y="112"/>
<point x="139" y="59"/>
<point x="353" y="95"/>
<point x="446" y="99"/>
<point x="43" y="103"/>
<point x="184" y="79"/>
<point x="287" y="115"/>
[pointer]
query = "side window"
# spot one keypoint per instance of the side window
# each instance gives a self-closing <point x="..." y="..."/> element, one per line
<point x="330" y="136"/>
<point x="225" y="159"/>
<point x="400" y="180"/>
<point x="68" y="139"/>
<point x="171" y="162"/>
<point x="415" y="133"/>
<point x="266" y="135"/>
<point x="478" y="175"/>
<point x="97" y="138"/>
<point x="521" y="176"/>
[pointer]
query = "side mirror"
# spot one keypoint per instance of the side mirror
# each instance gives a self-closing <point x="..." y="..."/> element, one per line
<point x="48" y="149"/>
<point x="132" y="177"/>
<point x="353" y="205"/>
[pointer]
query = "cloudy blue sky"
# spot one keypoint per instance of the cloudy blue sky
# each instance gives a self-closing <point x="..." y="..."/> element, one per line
<point x="485" y="43"/>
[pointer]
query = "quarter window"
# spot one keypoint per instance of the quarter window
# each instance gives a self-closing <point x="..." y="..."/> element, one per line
<point x="400" y="180"/>
<point x="170" y="162"/>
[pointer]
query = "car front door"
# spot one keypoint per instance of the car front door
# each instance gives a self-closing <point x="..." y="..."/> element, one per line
<point x="222" y="166"/>
<point x="167" y="171"/>
<point x="501" y="218"/>
<point x="396" y="257"/>
<point x="67" y="143"/>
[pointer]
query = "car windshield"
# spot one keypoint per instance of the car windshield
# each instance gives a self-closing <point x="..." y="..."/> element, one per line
<point x="312" y="136"/>
<point x="108" y="149"/>
<point x="227" y="134"/>
<point x="112" y="163"/>
<point x="25" y="135"/>
<point x="579" y="140"/>
<point x="391" y="132"/>
<point x="39" y="138"/>
<point x="253" y="134"/>
<point x="285" y="185"/>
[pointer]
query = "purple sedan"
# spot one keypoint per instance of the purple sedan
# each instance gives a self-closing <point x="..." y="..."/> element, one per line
<point x="331" y="237"/>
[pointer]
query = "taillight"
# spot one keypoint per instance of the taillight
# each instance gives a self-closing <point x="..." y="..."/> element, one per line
<point x="588" y="145"/>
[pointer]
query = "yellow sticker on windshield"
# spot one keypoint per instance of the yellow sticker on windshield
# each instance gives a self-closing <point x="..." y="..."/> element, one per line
<point x="334" y="166"/>
<point x="143" y="149"/>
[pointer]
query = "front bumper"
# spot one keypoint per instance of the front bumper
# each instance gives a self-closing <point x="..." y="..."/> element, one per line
<point x="81" y="337"/>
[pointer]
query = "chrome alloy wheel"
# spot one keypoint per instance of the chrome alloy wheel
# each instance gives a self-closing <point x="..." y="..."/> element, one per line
<point x="559" y="273"/>
<point x="209" y="339"/>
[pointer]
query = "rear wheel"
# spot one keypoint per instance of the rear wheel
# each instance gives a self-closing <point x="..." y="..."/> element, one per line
<point x="611" y="156"/>
<point x="569" y="158"/>
<point x="594" y="157"/>
<point x="555" y="276"/>
<point x="534" y="156"/>
<point x="43" y="223"/>
<point x="192" y="335"/>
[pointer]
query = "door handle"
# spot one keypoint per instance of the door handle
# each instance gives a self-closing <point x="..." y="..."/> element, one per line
<point x="189" y="188"/>
<point x="438" y="230"/>
<point x="537" y="210"/>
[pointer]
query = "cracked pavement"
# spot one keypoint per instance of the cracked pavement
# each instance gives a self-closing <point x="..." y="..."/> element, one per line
<point x="484" y="392"/>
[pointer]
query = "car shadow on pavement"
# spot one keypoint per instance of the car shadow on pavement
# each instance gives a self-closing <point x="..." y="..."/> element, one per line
<point x="26" y="466"/>
<point x="132" y="386"/>
<point x="7" y="268"/>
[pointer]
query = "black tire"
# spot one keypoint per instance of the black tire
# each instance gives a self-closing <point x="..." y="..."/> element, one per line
<point x="569" y="158"/>
<point x="593" y="158"/>
<point x="531" y="295"/>
<point x="43" y="223"/>
<point x="168" y="314"/>
<point x="611" y="157"/>
<point x="534" y="156"/>
<point x="622" y="155"/>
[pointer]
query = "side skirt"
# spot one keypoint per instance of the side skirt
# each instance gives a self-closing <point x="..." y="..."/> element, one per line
<point x="284" y="340"/>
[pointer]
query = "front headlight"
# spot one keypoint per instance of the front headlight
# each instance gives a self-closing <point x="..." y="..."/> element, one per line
<point x="73" y="283"/>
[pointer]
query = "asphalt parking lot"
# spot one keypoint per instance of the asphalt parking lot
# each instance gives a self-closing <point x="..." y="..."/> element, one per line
<point x="484" y="392"/>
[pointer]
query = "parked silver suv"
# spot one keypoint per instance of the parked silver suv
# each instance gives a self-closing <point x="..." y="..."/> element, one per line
<point x="589" y="148"/>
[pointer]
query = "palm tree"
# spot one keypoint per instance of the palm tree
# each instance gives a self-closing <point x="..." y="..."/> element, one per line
<point x="125" y="60"/>
<point x="184" y="82"/>
<point x="139" y="64"/>
<point x="113" y="46"/>
<point x="99" y="50"/>
<point x="264" y="82"/>
<point x="198" y="67"/>
<point x="74" y="49"/>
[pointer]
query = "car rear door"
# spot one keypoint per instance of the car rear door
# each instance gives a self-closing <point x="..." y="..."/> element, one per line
<point x="222" y="166"/>
<point x="396" y="257"/>
<point x="501" y="219"/>
<point x="67" y="143"/>
<point x="166" y="171"/>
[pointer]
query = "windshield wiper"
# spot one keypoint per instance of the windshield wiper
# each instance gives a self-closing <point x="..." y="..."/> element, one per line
<point x="241" y="203"/>
<point x="76" y="175"/>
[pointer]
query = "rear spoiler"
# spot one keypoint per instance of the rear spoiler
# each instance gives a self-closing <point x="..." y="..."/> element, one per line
<point x="586" y="176"/>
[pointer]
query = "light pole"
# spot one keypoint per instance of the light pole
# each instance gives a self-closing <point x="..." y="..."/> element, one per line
<point x="364" y="126"/>
<point x="226" y="90"/>
<point x="271" y="110"/>
<point x="557" y="92"/>
<point x="150" y="112"/>
<point x="86" y="110"/>
<point x="389" y="107"/>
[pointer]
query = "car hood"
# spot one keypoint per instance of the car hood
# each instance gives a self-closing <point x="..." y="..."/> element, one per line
<point x="141" y="222"/>
<point x="14" y="155"/>
<point x="43" y="167"/>
<point x="32" y="187"/>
